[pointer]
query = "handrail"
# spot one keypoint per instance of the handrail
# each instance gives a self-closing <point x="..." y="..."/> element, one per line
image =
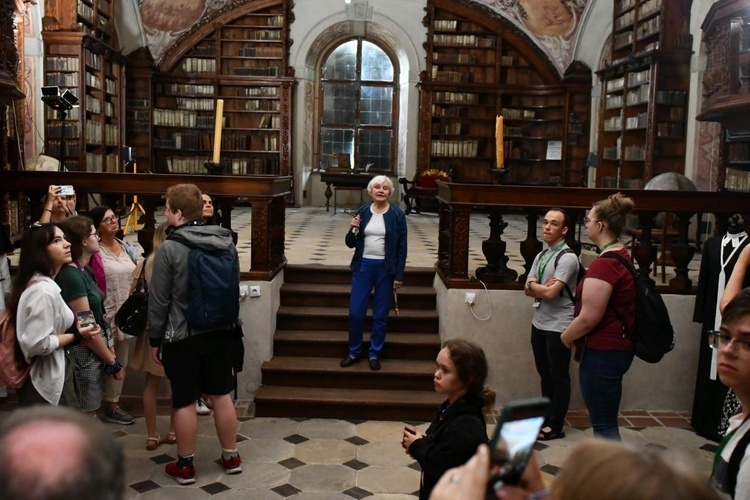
<point x="265" y="193"/>
<point x="457" y="201"/>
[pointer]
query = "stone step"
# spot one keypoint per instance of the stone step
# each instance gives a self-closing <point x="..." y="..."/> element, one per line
<point x="332" y="344"/>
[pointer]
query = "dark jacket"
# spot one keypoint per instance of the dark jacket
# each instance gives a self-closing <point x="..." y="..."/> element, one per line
<point x="450" y="441"/>
<point x="395" y="240"/>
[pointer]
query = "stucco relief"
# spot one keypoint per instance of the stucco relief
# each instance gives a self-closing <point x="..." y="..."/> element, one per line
<point x="29" y="88"/>
<point x="308" y="126"/>
<point x="707" y="156"/>
<point x="553" y="24"/>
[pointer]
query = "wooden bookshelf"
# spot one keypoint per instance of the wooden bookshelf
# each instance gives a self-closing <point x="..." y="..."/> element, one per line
<point x="726" y="88"/>
<point x="81" y="56"/>
<point x="241" y="57"/>
<point x="644" y="93"/>
<point x="478" y="67"/>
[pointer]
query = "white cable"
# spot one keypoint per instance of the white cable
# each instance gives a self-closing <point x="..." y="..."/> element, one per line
<point x="489" y="304"/>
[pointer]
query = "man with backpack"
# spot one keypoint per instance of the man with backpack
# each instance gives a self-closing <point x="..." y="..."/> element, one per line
<point x="192" y="316"/>
<point x="552" y="278"/>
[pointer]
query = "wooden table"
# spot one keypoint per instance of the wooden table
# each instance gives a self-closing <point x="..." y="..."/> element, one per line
<point x="345" y="180"/>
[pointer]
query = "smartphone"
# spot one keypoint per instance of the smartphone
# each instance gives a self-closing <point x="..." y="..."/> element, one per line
<point x="513" y="441"/>
<point x="66" y="191"/>
<point x="85" y="318"/>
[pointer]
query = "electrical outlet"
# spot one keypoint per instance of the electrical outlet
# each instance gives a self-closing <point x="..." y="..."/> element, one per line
<point x="244" y="291"/>
<point x="255" y="291"/>
<point x="470" y="298"/>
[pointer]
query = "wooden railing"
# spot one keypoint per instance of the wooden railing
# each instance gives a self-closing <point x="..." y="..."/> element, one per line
<point x="264" y="193"/>
<point x="457" y="201"/>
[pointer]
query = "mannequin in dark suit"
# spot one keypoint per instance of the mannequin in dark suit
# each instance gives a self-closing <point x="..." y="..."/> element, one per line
<point x="709" y="391"/>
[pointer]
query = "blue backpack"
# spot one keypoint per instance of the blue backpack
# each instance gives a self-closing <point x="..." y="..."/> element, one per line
<point x="214" y="287"/>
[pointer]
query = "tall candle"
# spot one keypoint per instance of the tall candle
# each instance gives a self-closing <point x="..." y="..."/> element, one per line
<point x="499" y="142"/>
<point x="217" y="129"/>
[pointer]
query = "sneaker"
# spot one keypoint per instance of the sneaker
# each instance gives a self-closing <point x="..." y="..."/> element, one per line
<point x="232" y="465"/>
<point x="183" y="475"/>
<point x="201" y="408"/>
<point x="117" y="416"/>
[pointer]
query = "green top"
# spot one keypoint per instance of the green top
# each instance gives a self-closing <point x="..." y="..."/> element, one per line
<point x="75" y="283"/>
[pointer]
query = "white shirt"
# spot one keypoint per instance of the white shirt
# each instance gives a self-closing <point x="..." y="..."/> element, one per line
<point x="42" y="314"/>
<point x="375" y="237"/>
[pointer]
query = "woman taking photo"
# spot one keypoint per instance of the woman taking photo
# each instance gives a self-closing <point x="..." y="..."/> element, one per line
<point x="379" y="237"/>
<point x="93" y="359"/>
<point x="41" y="318"/>
<point x="118" y="259"/>
<point x="460" y="427"/>
<point x="607" y="289"/>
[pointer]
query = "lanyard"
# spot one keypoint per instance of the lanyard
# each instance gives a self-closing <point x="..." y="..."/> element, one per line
<point x="552" y="253"/>
<point x="609" y="245"/>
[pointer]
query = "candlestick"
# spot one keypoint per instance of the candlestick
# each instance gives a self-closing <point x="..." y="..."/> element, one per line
<point x="217" y="129"/>
<point x="500" y="157"/>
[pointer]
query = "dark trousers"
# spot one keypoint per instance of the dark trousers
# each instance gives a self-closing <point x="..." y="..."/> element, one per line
<point x="552" y="361"/>
<point x="600" y="378"/>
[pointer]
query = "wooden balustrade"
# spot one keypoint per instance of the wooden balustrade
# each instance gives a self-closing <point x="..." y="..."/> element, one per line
<point x="265" y="193"/>
<point x="457" y="201"/>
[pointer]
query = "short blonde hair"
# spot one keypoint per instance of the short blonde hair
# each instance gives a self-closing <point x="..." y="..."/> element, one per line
<point x="380" y="179"/>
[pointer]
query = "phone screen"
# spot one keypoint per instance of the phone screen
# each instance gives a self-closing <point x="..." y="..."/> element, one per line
<point x="85" y="318"/>
<point x="515" y="435"/>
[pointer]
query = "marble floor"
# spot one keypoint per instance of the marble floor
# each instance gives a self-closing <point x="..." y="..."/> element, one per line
<point x="340" y="459"/>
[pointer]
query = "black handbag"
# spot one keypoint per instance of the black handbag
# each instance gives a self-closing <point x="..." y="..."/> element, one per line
<point x="132" y="316"/>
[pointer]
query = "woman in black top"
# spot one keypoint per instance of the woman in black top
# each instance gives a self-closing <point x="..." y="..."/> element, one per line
<point x="459" y="428"/>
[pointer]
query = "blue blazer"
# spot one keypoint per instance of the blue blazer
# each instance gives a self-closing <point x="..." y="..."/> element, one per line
<point x="396" y="235"/>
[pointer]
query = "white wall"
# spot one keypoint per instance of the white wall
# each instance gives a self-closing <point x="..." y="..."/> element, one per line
<point x="505" y="338"/>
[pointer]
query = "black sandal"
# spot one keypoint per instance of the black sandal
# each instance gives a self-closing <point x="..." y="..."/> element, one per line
<point x="550" y="435"/>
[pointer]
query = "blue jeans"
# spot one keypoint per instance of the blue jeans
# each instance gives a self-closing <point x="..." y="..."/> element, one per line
<point x="371" y="275"/>
<point x="600" y="379"/>
<point x="552" y="360"/>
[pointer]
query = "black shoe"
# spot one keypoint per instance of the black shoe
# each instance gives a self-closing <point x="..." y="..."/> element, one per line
<point x="374" y="364"/>
<point x="349" y="361"/>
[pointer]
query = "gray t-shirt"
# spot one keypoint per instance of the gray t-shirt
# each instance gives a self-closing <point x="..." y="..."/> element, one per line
<point x="554" y="315"/>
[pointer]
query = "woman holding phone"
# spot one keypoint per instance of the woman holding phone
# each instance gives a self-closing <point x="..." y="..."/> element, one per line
<point x="41" y="319"/>
<point x="94" y="358"/>
<point x="460" y="427"/>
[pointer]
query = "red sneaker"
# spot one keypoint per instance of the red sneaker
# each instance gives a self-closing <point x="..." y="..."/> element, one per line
<point x="183" y="475"/>
<point x="232" y="465"/>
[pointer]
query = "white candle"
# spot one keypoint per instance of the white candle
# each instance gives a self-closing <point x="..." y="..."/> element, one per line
<point x="217" y="129"/>
<point x="499" y="142"/>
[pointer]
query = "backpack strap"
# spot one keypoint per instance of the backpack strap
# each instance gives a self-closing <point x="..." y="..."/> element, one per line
<point x="733" y="467"/>
<point x="567" y="288"/>
<point x="629" y="266"/>
<point x="141" y="285"/>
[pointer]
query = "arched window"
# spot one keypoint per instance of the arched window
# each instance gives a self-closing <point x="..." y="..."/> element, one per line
<point x="358" y="107"/>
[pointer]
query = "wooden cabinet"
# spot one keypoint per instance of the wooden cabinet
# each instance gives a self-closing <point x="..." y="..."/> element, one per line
<point x="644" y="93"/>
<point x="478" y="67"/>
<point x="240" y="57"/>
<point x="81" y="56"/>
<point x="726" y="87"/>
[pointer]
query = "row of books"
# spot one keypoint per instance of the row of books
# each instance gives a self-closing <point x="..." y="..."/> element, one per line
<point x="461" y="149"/>
<point x="737" y="179"/>
<point x="62" y="79"/>
<point x="464" y="40"/>
<point x="182" y="118"/>
<point x="187" y="89"/>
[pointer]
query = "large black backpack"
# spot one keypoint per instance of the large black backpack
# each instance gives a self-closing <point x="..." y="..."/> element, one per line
<point x="654" y="335"/>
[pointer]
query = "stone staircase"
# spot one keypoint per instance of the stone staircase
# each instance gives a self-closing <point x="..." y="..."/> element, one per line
<point x="304" y="378"/>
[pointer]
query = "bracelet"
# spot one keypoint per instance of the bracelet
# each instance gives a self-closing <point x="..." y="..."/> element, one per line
<point x="113" y="368"/>
<point x="47" y="210"/>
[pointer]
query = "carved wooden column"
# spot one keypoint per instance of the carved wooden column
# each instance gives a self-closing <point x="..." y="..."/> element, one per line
<point x="682" y="253"/>
<point x="455" y="233"/>
<point x="644" y="253"/>
<point x="531" y="246"/>
<point x="496" y="270"/>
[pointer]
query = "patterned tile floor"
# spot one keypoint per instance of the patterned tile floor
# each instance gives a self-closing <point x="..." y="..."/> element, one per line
<point x="338" y="459"/>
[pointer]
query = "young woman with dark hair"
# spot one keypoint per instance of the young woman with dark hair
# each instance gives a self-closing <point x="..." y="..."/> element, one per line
<point x="41" y="318"/>
<point x="460" y="427"/>
<point x="94" y="359"/>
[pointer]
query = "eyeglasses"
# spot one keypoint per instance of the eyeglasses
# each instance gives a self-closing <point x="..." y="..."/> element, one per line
<point x="110" y="219"/>
<point x="718" y="340"/>
<point x="95" y="235"/>
<point x="586" y="220"/>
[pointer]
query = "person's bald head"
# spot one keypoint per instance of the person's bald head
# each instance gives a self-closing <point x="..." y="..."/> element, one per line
<point x="53" y="453"/>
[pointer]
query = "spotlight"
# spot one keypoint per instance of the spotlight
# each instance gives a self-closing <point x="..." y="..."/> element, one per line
<point x="57" y="101"/>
